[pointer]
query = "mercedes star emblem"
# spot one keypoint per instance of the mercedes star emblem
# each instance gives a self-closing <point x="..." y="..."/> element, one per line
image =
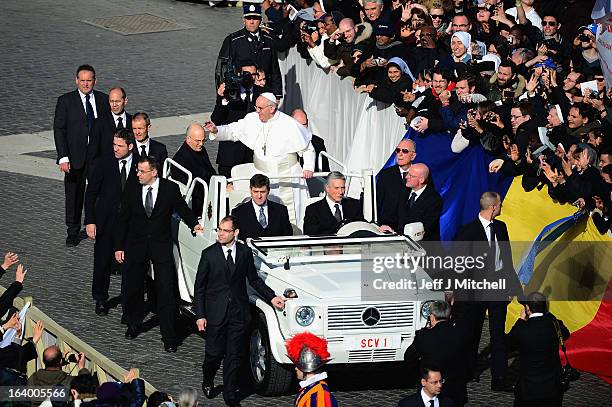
<point x="370" y="316"/>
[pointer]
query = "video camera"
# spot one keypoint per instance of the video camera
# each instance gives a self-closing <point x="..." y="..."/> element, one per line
<point x="233" y="81"/>
<point x="70" y="358"/>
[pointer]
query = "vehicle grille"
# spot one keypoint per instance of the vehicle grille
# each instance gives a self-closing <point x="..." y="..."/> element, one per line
<point x="348" y="317"/>
<point x="372" y="355"/>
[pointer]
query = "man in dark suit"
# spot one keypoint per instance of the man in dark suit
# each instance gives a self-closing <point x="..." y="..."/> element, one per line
<point x="424" y="204"/>
<point x="145" y="145"/>
<point x="104" y="129"/>
<point x="75" y="114"/>
<point x="391" y="184"/>
<point x="193" y="156"/>
<point x="491" y="236"/>
<point x="110" y="176"/>
<point x="324" y="217"/>
<point x="222" y="306"/>
<point x="445" y="344"/>
<point x="261" y="217"/>
<point x="143" y="234"/>
<point x="231" y="108"/>
<point x="429" y="395"/>
<point x="537" y="335"/>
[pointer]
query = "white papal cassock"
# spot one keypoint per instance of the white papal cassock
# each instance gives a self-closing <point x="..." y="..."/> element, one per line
<point x="276" y="145"/>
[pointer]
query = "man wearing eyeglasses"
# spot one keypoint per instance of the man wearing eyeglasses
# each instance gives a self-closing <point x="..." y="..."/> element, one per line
<point x="222" y="307"/>
<point x="429" y="395"/>
<point x="143" y="234"/>
<point x="391" y="184"/>
<point x="424" y="204"/>
<point x="445" y="344"/>
<point x="251" y="43"/>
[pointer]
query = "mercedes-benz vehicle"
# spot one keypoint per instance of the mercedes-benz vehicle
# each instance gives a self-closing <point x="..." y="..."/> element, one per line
<point x="323" y="276"/>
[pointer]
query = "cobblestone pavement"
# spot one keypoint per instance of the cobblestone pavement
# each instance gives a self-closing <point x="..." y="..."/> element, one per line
<point x="166" y="74"/>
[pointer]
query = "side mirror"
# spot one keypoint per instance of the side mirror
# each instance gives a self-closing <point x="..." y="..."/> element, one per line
<point x="415" y="231"/>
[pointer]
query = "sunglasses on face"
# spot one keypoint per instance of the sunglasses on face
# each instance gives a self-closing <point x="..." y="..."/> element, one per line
<point x="549" y="23"/>
<point x="435" y="16"/>
<point x="403" y="150"/>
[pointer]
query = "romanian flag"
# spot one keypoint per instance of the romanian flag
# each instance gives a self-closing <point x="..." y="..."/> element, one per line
<point x="562" y="255"/>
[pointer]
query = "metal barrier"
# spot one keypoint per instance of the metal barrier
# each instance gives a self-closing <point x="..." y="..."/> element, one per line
<point x="55" y="334"/>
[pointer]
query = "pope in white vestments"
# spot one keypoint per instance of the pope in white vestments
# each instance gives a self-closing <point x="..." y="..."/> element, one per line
<point x="276" y="140"/>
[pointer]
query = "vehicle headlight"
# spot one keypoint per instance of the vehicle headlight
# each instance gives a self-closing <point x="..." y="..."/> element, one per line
<point x="304" y="316"/>
<point x="426" y="309"/>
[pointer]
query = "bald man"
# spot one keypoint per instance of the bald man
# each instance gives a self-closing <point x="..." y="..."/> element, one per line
<point x="193" y="156"/>
<point x="52" y="374"/>
<point x="391" y="184"/>
<point x="317" y="142"/>
<point x="101" y="139"/>
<point x="424" y="204"/>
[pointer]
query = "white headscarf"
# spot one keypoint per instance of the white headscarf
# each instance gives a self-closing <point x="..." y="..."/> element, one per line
<point x="466" y="39"/>
<point x="402" y="65"/>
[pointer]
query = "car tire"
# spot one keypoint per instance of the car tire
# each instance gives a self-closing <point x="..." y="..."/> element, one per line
<point x="269" y="377"/>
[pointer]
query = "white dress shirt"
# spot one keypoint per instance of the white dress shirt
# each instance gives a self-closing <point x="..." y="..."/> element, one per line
<point x="146" y="144"/>
<point x="257" y="209"/>
<point x="123" y="118"/>
<point x="92" y="100"/>
<point x="426" y="399"/>
<point x="499" y="264"/>
<point x="128" y="165"/>
<point x="332" y="206"/>
<point x="417" y="193"/>
<point x="225" y="249"/>
<point x="145" y="189"/>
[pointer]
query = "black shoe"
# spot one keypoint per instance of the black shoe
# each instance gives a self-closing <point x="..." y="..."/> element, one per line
<point x="123" y="320"/>
<point x="207" y="389"/>
<point x="72" y="241"/>
<point x="132" y="331"/>
<point x="170" y="348"/>
<point x="101" y="308"/>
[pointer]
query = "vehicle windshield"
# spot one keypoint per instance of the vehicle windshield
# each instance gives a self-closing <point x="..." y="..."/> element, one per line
<point x="337" y="249"/>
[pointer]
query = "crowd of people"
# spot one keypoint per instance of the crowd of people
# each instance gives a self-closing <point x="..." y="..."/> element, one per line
<point x="522" y="79"/>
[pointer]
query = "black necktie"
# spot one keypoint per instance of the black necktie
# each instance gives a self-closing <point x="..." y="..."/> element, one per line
<point x="90" y="113"/>
<point x="144" y="151"/>
<point x="149" y="202"/>
<point x="337" y="213"/>
<point x="247" y="99"/>
<point x="123" y="174"/>
<point x="492" y="244"/>
<point x="411" y="199"/>
<point x="119" y="123"/>
<point x="404" y="175"/>
<point x="432" y="403"/>
<point x="230" y="261"/>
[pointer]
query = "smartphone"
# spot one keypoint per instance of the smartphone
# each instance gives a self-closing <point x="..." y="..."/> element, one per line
<point x="292" y="12"/>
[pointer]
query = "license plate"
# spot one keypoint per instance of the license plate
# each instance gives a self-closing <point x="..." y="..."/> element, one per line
<point x="369" y="342"/>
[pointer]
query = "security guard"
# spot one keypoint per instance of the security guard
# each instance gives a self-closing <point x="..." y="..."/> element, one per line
<point x="251" y="43"/>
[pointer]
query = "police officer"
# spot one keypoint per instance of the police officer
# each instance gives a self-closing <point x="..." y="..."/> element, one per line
<point x="251" y="43"/>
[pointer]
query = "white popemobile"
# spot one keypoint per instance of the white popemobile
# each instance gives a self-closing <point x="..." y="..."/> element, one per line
<point x="323" y="275"/>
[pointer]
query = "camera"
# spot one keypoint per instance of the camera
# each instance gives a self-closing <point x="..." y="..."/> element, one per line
<point x="234" y="80"/>
<point x="70" y="358"/>
<point x="584" y="38"/>
<point x="508" y="94"/>
<point x="309" y="27"/>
